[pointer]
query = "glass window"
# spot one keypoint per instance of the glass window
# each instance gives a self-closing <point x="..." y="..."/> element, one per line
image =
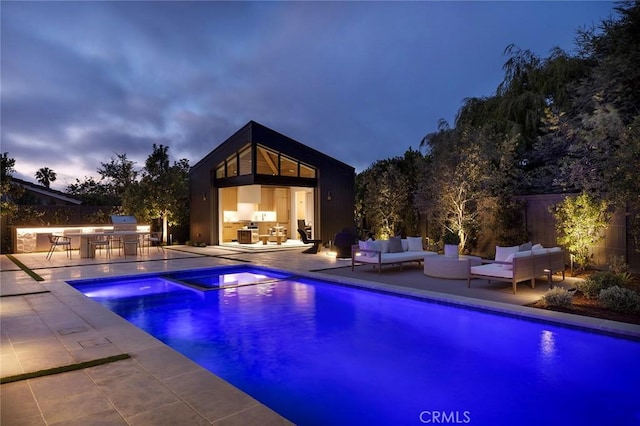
<point x="232" y="166"/>
<point x="220" y="171"/>
<point x="288" y="167"/>
<point x="266" y="161"/>
<point x="245" y="161"/>
<point x="307" y="171"/>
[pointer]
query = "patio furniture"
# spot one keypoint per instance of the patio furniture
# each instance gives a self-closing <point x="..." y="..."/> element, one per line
<point x="343" y="241"/>
<point x="378" y="253"/>
<point x="520" y="266"/>
<point x="59" y="241"/>
<point x="450" y="268"/>
<point x="131" y="244"/>
<point x="306" y="228"/>
<point x="153" y="238"/>
<point x="316" y="243"/>
<point x="100" y="242"/>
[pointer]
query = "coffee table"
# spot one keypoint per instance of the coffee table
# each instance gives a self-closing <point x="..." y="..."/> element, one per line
<point x="449" y="267"/>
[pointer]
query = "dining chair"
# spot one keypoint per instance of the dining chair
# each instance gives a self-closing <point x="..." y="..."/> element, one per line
<point x="131" y="240"/>
<point x="59" y="241"/>
<point x="116" y="243"/>
<point x="100" y="242"/>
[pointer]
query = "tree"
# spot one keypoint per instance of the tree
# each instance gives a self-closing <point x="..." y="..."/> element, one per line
<point x="117" y="175"/>
<point x="7" y="165"/>
<point x="45" y="176"/>
<point x="385" y="195"/>
<point x="580" y="222"/>
<point x="162" y="192"/>
<point x="93" y="193"/>
<point x="8" y="194"/>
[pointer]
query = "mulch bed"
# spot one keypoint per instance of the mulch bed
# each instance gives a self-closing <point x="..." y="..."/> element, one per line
<point x="591" y="308"/>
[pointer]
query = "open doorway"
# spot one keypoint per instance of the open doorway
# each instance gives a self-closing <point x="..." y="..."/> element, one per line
<point x="304" y="208"/>
<point x="263" y="208"/>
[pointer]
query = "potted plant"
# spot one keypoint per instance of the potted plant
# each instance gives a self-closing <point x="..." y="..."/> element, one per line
<point x="451" y="242"/>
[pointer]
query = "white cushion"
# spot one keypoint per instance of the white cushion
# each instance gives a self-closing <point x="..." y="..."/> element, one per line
<point x="371" y="245"/>
<point x="362" y="245"/>
<point x="510" y="260"/>
<point x="414" y="243"/>
<point x="384" y="245"/>
<point x="554" y="249"/>
<point x="522" y="254"/>
<point x="503" y="252"/>
<point x="405" y="244"/>
<point x="491" y="270"/>
<point x="537" y="247"/>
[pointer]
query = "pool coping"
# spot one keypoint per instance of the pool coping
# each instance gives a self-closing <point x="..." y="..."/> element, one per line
<point x="180" y="374"/>
<point x="591" y="324"/>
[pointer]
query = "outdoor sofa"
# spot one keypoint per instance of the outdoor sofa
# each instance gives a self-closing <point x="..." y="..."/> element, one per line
<point x="515" y="264"/>
<point x="394" y="251"/>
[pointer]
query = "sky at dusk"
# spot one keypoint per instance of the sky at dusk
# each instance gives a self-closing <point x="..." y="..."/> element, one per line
<point x="359" y="81"/>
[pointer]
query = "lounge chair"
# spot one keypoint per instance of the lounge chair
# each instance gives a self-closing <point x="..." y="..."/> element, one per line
<point x="316" y="243"/>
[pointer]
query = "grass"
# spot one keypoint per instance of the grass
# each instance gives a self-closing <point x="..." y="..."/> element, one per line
<point x="25" y="268"/>
<point x="64" y="368"/>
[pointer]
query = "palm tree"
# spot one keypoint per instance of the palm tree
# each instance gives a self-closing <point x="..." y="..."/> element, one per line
<point x="45" y="176"/>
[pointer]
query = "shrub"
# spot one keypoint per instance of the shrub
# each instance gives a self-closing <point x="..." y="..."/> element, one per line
<point x="599" y="281"/>
<point x="618" y="265"/>
<point x="579" y="223"/>
<point x="451" y="237"/>
<point x="620" y="299"/>
<point x="557" y="296"/>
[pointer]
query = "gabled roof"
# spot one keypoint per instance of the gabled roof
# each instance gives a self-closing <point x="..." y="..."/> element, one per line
<point x="272" y="139"/>
<point x="48" y="192"/>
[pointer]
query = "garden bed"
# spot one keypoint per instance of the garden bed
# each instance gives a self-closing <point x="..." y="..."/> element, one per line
<point x="591" y="307"/>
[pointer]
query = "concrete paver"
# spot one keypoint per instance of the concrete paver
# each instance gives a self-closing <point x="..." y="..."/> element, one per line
<point x="49" y="324"/>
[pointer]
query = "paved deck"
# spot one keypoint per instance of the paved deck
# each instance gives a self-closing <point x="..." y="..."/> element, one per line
<point x="47" y="324"/>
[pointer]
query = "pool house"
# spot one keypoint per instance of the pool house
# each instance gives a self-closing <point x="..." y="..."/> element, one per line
<point x="259" y="180"/>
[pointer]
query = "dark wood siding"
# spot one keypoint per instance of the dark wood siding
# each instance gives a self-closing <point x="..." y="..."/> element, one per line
<point x="333" y="177"/>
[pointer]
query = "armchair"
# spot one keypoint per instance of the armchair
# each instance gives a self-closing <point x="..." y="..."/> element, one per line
<point x="316" y="243"/>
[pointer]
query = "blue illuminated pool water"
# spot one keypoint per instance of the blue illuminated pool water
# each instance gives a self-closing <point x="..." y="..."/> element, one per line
<point x="325" y="354"/>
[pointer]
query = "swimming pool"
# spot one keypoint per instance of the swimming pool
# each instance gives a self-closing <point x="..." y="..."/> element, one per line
<point x="326" y="354"/>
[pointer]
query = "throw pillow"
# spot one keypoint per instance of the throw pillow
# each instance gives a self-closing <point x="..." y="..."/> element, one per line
<point x="405" y="244"/>
<point x="383" y="246"/>
<point x="510" y="260"/>
<point x="415" y="243"/>
<point x="525" y="246"/>
<point x="503" y="252"/>
<point x="536" y="247"/>
<point x="371" y="245"/>
<point x="395" y="245"/>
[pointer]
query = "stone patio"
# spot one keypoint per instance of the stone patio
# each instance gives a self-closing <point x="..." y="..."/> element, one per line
<point x="47" y="324"/>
